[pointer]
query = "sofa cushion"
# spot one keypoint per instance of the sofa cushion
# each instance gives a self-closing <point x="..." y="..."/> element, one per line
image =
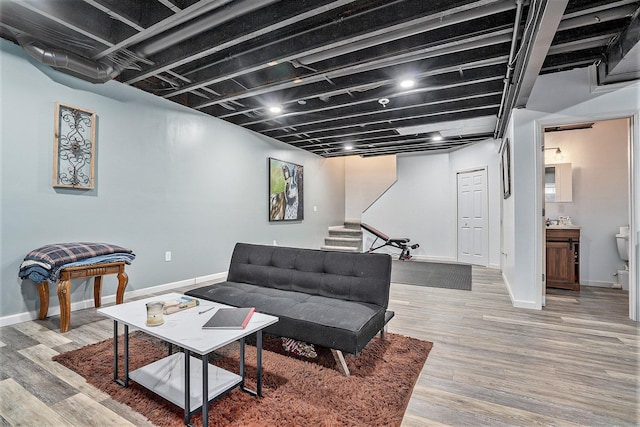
<point x="347" y="276"/>
<point x="339" y="324"/>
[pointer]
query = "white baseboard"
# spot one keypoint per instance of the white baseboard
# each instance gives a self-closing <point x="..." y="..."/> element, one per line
<point x="533" y="305"/>
<point x="108" y="299"/>
<point x="599" y="284"/>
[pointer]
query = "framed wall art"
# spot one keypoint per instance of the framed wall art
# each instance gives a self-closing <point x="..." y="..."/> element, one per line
<point x="506" y="169"/>
<point x="286" y="195"/>
<point x="74" y="147"/>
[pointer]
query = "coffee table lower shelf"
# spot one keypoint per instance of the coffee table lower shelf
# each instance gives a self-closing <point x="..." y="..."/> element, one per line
<point x="166" y="378"/>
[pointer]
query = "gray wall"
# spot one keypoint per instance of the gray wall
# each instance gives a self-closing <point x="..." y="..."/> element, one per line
<point x="422" y="204"/>
<point x="168" y="179"/>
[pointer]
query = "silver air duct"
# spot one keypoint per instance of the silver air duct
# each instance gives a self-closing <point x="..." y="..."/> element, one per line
<point x="95" y="72"/>
<point x="101" y="71"/>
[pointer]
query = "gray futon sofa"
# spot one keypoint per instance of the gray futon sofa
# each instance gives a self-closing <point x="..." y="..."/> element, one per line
<point x="332" y="299"/>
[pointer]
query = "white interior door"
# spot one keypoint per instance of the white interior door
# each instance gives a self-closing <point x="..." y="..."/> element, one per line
<point x="473" y="233"/>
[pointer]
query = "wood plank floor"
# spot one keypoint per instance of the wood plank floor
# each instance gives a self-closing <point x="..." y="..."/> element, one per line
<point x="575" y="363"/>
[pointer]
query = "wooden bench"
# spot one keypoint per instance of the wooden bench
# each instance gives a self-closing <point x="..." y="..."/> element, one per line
<point x="64" y="286"/>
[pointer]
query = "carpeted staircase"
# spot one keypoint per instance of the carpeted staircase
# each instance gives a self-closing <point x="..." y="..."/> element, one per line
<point x="344" y="238"/>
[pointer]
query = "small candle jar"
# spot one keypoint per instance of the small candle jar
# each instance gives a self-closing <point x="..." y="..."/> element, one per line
<point x="154" y="313"/>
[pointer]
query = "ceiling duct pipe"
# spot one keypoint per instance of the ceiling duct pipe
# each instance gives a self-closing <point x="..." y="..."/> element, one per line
<point x="101" y="71"/>
<point x="409" y="29"/>
<point x="201" y="25"/>
<point x="542" y="23"/>
<point x="510" y="63"/>
<point x="95" y="72"/>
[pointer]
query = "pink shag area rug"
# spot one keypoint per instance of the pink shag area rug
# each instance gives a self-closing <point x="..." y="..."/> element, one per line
<point x="296" y="391"/>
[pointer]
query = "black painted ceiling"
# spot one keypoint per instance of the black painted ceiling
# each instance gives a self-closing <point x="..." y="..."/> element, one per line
<point x="334" y="67"/>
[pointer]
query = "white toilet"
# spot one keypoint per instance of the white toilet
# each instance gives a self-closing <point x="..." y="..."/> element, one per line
<point x="622" y="239"/>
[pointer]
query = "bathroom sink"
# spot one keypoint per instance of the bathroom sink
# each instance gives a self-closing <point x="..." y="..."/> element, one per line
<point x="564" y="226"/>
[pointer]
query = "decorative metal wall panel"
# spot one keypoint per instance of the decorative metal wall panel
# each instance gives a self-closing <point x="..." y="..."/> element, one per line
<point x="74" y="147"/>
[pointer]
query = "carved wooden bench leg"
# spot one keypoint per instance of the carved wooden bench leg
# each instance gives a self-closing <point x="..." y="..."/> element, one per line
<point x="97" y="290"/>
<point x="64" y="299"/>
<point x="123" y="279"/>
<point x="342" y="364"/>
<point x="81" y="272"/>
<point x="43" y="293"/>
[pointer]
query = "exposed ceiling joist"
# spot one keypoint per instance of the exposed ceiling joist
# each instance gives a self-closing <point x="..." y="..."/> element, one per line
<point x="338" y="72"/>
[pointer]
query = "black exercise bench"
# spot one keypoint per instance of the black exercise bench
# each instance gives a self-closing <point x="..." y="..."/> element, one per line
<point x="401" y="243"/>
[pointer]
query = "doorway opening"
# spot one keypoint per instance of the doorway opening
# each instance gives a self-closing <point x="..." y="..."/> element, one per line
<point x="586" y="201"/>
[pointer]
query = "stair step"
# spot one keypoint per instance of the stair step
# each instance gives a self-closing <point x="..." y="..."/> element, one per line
<point x="339" y="248"/>
<point x="344" y="238"/>
<point x="341" y="231"/>
<point x="353" y="224"/>
<point x="343" y="241"/>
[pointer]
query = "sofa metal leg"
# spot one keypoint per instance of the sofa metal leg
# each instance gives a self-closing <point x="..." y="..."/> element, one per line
<point x="342" y="364"/>
<point x="383" y="332"/>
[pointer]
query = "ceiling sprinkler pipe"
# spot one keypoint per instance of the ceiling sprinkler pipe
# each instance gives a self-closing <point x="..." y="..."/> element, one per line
<point x="415" y="27"/>
<point x="201" y="25"/>
<point x="597" y="17"/>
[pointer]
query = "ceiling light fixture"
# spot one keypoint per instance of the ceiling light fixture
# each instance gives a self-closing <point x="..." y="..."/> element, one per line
<point x="383" y="101"/>
<point x="407" y="83"/>
<point x="272" y="63"/>
<point x="454" y="128"/>
<point x="275" y="109"/>
<point x="348" y="147"/>
<point x="437" y="137"/>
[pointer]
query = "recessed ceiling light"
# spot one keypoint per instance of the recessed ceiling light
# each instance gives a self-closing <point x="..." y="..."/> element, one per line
<point x="275" y="109"/>
<point x="407" y="83"/>
<point x="302" y="101"/>
<point x="436" y="138"/>
<point x="298" y="80"/>
<point x="348" y="147"/>
<point x="272" y="63"/>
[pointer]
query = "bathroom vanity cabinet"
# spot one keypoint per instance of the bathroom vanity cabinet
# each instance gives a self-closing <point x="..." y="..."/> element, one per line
<point x="563" y="258"/>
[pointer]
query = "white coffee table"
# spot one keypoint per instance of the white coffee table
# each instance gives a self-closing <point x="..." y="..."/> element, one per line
<point x="166" y="377"/>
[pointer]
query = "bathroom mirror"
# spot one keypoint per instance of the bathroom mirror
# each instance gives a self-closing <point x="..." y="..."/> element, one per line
<point x="558" y="183"/>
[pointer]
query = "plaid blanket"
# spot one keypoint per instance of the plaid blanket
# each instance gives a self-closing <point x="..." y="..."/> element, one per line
<point x="63" y="253"/>
<point x="38" y="273"/>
